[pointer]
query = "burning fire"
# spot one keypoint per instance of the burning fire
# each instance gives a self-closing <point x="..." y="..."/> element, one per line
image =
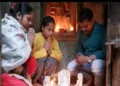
<point x="71" y="28"/>
<point x="57" y="28"/>
<point x="63" y="23"/>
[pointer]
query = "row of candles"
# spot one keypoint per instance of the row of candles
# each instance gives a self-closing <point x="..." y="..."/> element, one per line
<point x="57" y="28"/>
<point x="63" y="79"/>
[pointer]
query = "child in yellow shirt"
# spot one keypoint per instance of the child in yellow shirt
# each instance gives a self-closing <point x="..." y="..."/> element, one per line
<point x="46" y="49"/>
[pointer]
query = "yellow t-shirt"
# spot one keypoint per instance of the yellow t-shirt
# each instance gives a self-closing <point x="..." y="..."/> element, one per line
<point x="40" y="52"/>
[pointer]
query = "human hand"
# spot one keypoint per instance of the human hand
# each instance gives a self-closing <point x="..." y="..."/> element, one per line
<point x="81" y="59"/>
<point x="19" y="69"/>
<point x="92" y="57"/>
<point x="31" y="36"/>
<point x="47" y="44"/>
<point x="49" y="51"/>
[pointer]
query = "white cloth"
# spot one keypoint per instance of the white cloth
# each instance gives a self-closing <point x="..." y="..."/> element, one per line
<point x="15" y="45"/>
<point x="96" y="66"/>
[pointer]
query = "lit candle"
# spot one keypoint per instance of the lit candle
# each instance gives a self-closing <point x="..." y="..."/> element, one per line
<point x="52" y="83"/>
<point x="71" y="28"/>
<point x="64" y="78"/>
<point x="57" y="28"/>
<point x="46" y="81"/>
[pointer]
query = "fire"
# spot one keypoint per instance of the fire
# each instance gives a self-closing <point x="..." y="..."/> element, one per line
<point x="57" y="28"/>
<point x="71" y="28"/>
<point x="52" y="82"/>
<point x="62" y="23"/>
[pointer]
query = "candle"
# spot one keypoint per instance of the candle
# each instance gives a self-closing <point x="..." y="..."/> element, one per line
<point x="52" y="83"/>
<point x="64" y="78"/>
<point x="79" y="80"/>
<point x="57" y="28"/>
<point x="71" y="28"/>
<point x="46" y="81"/>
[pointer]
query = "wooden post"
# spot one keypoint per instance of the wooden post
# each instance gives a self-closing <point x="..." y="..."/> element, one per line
<point x="108" y="56"/>
<point x="108" y="67"/>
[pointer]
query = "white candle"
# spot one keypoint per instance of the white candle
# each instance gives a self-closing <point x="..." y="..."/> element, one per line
<point x="79" y="80"/>
<point x="52" y="83"/>
<point x="64" y="78"/>
<point x="46" y="81"/>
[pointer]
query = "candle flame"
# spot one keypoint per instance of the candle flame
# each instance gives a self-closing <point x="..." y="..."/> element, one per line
<point x="57" y="28"/>
<point x="62" y="23"/>
<point x="52" y="83"/>
<point x="71" y="28"/>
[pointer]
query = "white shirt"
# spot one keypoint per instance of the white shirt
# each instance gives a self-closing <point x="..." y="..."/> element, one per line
<point x="15" y="45"/>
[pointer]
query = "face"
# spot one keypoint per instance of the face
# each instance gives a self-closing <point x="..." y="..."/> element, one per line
<point x="48" y="30"/>
<point x="26" y="20"/>
<point x="86" y="26"/>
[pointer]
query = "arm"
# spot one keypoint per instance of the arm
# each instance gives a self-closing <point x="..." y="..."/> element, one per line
<point x="56" y="52"/>
<point x="80" y="49"/>
<point x="100" y="34"/>
<point x="100" y="54"/>
<point x="38" y="50"/>
<point x="15" y="48"/>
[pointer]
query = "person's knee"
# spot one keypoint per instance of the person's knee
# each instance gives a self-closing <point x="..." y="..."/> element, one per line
<point x="98" y="66"/>
<point x="71" y="66"/>
<point x="51" y="61"/>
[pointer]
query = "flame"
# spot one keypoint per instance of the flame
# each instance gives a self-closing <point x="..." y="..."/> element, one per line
<point x="52" y="83"/>
<point x="62" y="23"/>
<point x="57" y="28"/>
<point x="71" y="28"/>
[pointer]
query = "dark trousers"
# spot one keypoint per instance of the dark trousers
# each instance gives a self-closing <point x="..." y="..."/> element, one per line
<point x="46" y="67"/>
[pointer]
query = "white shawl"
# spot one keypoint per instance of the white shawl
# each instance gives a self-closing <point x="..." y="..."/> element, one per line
<point x="15" y="45"/>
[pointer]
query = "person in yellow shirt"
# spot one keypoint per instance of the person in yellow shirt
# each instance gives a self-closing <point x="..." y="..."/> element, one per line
<point x="46" y="50"/>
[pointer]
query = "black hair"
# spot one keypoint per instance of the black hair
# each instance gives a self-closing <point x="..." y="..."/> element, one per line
<point x="46" y="20"/>
<point x="21" y="7"/>
<point x="85" y="14"/>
